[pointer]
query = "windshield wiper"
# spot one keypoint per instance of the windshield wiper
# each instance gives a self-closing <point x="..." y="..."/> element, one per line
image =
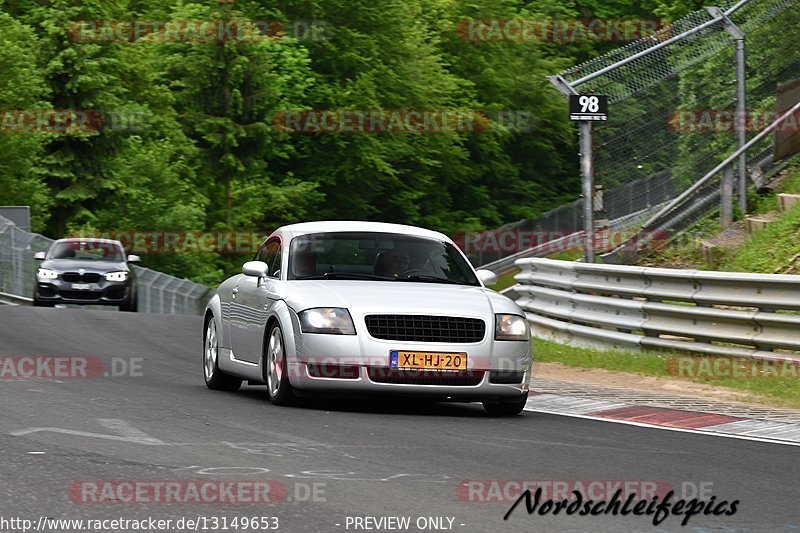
<point x="349" y="275"/>
<point x="425" y="278"/>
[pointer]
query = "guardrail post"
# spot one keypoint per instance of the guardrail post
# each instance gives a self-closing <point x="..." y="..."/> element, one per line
<point x="726" y="198"/>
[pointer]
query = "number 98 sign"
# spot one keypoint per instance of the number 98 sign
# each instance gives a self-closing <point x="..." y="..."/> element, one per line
<point x="588" y="107"/>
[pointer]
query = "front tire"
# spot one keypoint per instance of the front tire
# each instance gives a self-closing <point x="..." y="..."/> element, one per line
<point x="215" y="378"/>
<point x="511" y="408"/>
<point x="131" y="305"/>
<point x="275" y="367"/>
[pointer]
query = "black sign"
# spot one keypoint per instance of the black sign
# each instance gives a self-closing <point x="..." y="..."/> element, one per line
<point x="588" y="107"/>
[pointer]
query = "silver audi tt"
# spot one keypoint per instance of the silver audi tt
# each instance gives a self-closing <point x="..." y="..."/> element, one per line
<point x="367" y="307"/>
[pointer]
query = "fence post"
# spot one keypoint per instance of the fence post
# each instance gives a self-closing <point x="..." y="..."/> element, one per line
<point x="587" y="171"/>
<point x="740" y="120"/>
<point x="726" y="198"/>
<point x="741" y="111"/>
<point x="587" y="181"/>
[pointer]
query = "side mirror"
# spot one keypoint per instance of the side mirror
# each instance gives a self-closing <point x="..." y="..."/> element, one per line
<point x="486" y="276"/>
<point x="257" y="269"/>
<point x="39" y="256"/>
<point x="134" y="259"/>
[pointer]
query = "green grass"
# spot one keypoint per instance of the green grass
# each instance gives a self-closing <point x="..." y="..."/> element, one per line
<point x="506" y="280"/>
<point x="568" y="255"/>
<point x="777" y="391"/>
<point x="770" y="249"/>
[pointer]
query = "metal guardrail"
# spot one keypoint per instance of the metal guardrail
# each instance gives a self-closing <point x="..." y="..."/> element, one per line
<point x="722" y="313"/>
<point x="158" y="292"/>
<point x="13" y="299"/>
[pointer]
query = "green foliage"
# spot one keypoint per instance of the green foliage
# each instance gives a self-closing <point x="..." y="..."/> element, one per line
<point x="21" y="87"/>
<point x="189" y="140"/>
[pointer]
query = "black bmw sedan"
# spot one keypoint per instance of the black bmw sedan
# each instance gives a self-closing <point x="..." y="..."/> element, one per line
<point x="86" y="271"/>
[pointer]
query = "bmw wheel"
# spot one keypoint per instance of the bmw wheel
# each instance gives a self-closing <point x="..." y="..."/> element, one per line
<point x="215" y="378"/>
<point x="275" y="369"/>
<point x="131" y="305"/>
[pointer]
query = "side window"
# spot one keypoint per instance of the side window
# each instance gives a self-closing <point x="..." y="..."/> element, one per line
<point x="271" y="255"/>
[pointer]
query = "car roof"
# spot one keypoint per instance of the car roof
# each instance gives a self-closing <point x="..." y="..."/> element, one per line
<point x="89" y="239"/>
<point x="329" y="226"/>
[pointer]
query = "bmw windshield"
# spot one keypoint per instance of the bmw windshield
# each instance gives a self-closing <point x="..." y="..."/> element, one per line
<point x="91" y="250"/>
<point x="377" y="256"/>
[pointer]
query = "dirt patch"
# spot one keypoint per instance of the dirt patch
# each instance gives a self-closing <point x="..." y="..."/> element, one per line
<point x="622" y="380"/>
<point x="731" y="238"/>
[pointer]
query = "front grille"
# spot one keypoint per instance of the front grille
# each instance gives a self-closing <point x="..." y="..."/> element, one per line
<point x="76" y="277"/>
<point x="425" y="377"/>
<point x="80" y="295"/>
<point x="423" y="328"/>
<point x="115" y="293"/>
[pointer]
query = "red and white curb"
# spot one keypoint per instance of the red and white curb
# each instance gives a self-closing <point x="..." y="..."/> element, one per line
<point x="664" y="418"/>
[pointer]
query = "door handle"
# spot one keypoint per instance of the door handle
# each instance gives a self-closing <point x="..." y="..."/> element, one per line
<point x="235" y="291"/>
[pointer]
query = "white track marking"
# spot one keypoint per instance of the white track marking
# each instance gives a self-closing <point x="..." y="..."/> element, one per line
<point x="129" y="433"/>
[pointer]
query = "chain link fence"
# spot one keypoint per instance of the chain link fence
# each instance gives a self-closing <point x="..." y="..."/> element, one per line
<point x="672" y="105"/>
<point x="157" y="292"/>
<point x="626" y="206"/>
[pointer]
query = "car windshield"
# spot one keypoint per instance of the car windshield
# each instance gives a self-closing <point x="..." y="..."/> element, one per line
<point x="377" y="256"/>
<point x="91" y="250"/>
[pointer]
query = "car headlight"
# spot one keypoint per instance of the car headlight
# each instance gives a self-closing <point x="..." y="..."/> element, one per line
<point x="335" y="320"/>
<point x="116" y="276"/>
<point x="511" y="328"/>
<point x="46" y="273"/>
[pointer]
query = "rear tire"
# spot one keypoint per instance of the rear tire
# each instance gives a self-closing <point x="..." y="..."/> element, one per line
<point x="511" y="408"/>
<point x="215" y="378"/>
<point x="275" y="367"/>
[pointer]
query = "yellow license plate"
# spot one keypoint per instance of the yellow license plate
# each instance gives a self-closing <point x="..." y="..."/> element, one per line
<point x="427" y="360"/>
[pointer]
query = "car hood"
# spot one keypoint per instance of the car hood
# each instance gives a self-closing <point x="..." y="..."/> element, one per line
<point x="396" y="297"/>
<point x="89" y="265"/>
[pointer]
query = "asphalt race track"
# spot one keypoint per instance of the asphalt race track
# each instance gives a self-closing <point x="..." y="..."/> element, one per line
<point x="336" y="459"/>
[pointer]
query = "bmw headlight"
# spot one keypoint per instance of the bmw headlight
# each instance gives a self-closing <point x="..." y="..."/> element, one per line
<point x="116" y="276"/>
<point x="511" y="328"/>
<point x="335" y="320"/>
<point x="45" y="274"/>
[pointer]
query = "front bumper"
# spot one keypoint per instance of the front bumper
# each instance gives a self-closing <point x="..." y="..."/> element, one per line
<point x="100" y="293"/>
<point x="365" y="383"/>
<point x="495" y="369"/>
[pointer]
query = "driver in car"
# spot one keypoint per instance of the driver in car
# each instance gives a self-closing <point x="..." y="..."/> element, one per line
<point x="393" y="262"/>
